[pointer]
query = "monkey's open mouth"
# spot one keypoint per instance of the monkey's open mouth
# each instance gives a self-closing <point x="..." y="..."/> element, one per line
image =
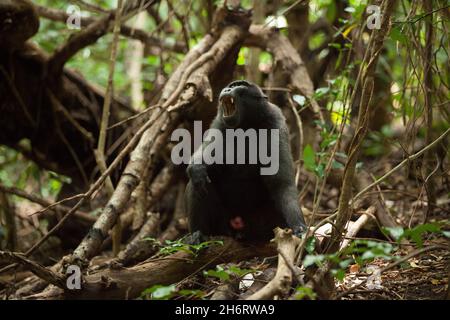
<point x="228" y="106"/>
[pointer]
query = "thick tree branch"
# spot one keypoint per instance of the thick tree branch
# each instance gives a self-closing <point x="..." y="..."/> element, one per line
<point x="366" y="74"/>
<point x="89" y="35"/>
<point x="134" y="33"/>
<point x="289" y="60"/>
<point x="281" y="283"/>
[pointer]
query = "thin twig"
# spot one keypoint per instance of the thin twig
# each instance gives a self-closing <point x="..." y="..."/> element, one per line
<point x="39" y="270"/>
<point x="42" y="202"/>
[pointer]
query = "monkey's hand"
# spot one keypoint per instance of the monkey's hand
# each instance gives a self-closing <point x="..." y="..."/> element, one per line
<point x="299" y="231"/>
<point x="200" y="179"/>
<point x="195" y="238"/>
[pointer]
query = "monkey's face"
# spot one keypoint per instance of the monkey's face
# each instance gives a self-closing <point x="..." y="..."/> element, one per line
<point x="238" y="103"/>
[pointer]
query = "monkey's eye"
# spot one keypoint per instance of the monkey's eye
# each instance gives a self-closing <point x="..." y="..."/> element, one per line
<point x="228" y="106"/>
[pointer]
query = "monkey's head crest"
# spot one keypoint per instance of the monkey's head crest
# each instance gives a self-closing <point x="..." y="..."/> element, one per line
<point x="239" y="101"/>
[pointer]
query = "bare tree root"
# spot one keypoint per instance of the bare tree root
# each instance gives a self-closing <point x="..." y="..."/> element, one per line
<point x="128" y="283"/>
<point x="281" y="283"/>
<point x="139" y="246"/>
<point x="356" y="226"/>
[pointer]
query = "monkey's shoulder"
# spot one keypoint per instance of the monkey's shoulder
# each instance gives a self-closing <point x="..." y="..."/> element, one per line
<point x="276" y="117"/>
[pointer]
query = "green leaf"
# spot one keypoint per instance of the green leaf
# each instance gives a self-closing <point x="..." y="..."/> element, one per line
<point x="310" y="259"/>
<point x="222" y="275"/>
<point x="337" y="165"/>
<point x="241" y="57"/>
<point x="415" y="234"/>
<point x="397" y="35"/>
<point x="238" y="271"/>
<point x="339" y="274"/>
<point x="299" y="99"/>
<point x="310" y="245"/>
<point x="350" y="9"/>
<point x="320" y="92"/>
<point x="192" y="293"/>
<point x="341" y="154"/>
<point x="335" y="45"/>
<point x="153" y="60"/>
<point x="160" y="292"/>
<point x="368" y="255"/>
<point x="206" y="244"/>
<point x="331" y="11"/>
<point x="446" y="233"/>
<point x="345" y="263"/>
<point x="309" y="158"/>
<point x="305" y="292"/>
<point x="320" y="170"/>
<point x="395" y="232"/>
<point x="265" y="57"/>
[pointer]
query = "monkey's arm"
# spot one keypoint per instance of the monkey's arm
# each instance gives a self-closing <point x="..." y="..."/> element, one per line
<point x="198" y="171"/>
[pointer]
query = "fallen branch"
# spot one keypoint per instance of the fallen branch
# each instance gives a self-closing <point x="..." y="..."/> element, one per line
<point x="356" y="226"/>
<point x="128" y="283"/>
<point x="281" y="283"/>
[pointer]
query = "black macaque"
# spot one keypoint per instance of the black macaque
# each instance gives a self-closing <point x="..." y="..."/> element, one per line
<point x="237" y="200"/>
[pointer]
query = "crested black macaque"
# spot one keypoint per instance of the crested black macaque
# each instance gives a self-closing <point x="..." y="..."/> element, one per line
<point x="235" y="199"/>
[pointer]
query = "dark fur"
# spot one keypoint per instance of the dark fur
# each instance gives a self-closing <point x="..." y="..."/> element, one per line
<point x="217" y="194"/>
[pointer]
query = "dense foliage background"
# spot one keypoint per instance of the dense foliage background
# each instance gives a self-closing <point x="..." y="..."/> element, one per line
<point x="340" y="139"/>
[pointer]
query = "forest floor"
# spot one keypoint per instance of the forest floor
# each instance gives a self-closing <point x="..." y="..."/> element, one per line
<point x="424" y="276"/>
<point x="421" y="278"/>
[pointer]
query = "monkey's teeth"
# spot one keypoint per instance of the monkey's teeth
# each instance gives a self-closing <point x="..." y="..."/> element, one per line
<point x="228" y="106"/>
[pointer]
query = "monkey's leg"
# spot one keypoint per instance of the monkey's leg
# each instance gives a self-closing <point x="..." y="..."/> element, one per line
<point x="284" y="199"/>
<point x="206" y="213"/>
